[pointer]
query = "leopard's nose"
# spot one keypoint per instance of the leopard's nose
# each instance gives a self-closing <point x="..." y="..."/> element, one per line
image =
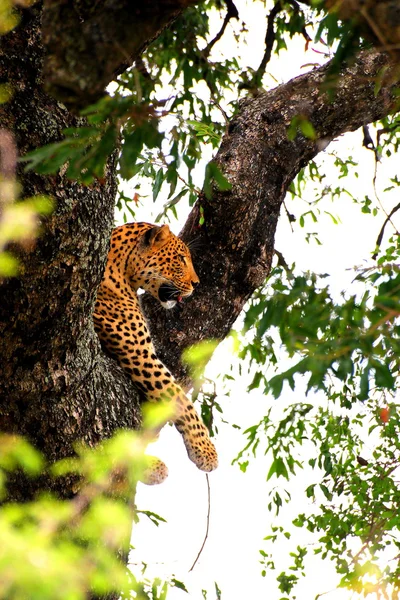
<point x="195" y="283"/>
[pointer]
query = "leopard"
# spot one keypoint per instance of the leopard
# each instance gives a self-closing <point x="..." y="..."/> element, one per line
<point x="150" y="257"/>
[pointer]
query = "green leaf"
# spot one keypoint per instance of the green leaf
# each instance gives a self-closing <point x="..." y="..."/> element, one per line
<point x="213" y="174"/>
<point x="326" y="492"/>
<point x="307" y="129"/>
<point x="131" y="149"/>
<point x="364" y="384"/>
<point x="278" y="468"/>
<point x="171" y="203"/>
<point x="276" y="384"/>
<point x="198" y="356"/>
<point x="9" y="264"/>
<point x="179" y="584"/>
<point x="258" y="377"/>
<point x="310" y="491"/>
<point x="152" y="516"/>
<point x="17" y="452"/>
<point x="158" y="183"/>
<point x="383" y="375"/>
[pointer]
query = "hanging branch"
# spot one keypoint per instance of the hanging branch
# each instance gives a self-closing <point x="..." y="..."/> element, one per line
<point x="367" y="139"/>
<point x="202" y="57"/>
<point x="369" y="144"/>
<point x="207" y="525"/>
<point x="270" y="39"/>
<point x="269" y="42"/>
<point x="382" y="231"/>
<point x="232" y="12"/>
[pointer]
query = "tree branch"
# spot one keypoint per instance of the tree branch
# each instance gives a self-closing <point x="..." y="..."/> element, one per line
<point x="382" y="231"/>
<point x="232" y="12"/>
<point x="270" y="39"/>
<point x="87" y="44"/>
<point x="237" y="239"/>
<point x="376" y="20"/>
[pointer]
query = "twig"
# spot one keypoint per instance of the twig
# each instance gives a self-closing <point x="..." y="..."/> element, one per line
<point x="382" y="231"/>
<point x="222" y="112"/>
<point x="369" y="144"/>
<point x="363" y="270"/>
<point x="269" y="42"/>
<point x="270" y="39"/>
<point x="367" y="139"/>
<point x="203" y="54"/>
<point x="207" y="526"/>
<point x="281" y="261"/>
<point x="290" y="216"/>
<point x="232" y="12"/>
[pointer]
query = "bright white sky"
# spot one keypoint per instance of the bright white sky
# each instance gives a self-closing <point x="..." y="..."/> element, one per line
<point x="239" y="516"/>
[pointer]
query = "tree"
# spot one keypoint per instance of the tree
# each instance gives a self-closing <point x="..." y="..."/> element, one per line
<point x="58" y="388"/>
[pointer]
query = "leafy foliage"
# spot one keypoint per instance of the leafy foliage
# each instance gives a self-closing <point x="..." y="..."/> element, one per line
<point x="66" y="547"/>
<point x="63" y="547"/>
<point x="354" y="342"/>
<point x="348" y="350"/>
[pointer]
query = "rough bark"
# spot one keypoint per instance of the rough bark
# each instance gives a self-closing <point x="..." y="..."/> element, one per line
<point x="56" y="386"/>
<point x="87" y="43"/>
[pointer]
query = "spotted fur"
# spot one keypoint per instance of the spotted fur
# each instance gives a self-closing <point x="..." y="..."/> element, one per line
<point x="154" y="259"/>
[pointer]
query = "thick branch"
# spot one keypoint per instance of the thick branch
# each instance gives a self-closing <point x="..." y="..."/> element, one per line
<point x="87" y="43"/>
<point x="237" y="239"/>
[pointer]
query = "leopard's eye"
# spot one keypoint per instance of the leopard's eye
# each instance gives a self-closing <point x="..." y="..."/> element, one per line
<point x="182" y="258"/>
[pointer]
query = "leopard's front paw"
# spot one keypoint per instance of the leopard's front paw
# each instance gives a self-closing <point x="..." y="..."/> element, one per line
<point x="202" y="452"/>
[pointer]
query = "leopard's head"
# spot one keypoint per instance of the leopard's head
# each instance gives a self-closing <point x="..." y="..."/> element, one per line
<point x="167" y="270"/>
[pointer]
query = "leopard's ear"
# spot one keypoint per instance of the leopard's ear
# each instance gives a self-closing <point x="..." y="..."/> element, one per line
<point x="157" y="236"/>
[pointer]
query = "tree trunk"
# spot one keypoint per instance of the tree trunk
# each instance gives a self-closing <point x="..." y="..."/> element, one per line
<point x="56" y="386"/>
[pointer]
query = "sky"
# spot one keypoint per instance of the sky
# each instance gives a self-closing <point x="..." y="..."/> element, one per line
<point x="239" y="517"/>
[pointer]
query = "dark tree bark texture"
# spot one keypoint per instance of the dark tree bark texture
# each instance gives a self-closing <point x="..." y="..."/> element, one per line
<point x="56" y="386"/>
<point x="88" y="43"/>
